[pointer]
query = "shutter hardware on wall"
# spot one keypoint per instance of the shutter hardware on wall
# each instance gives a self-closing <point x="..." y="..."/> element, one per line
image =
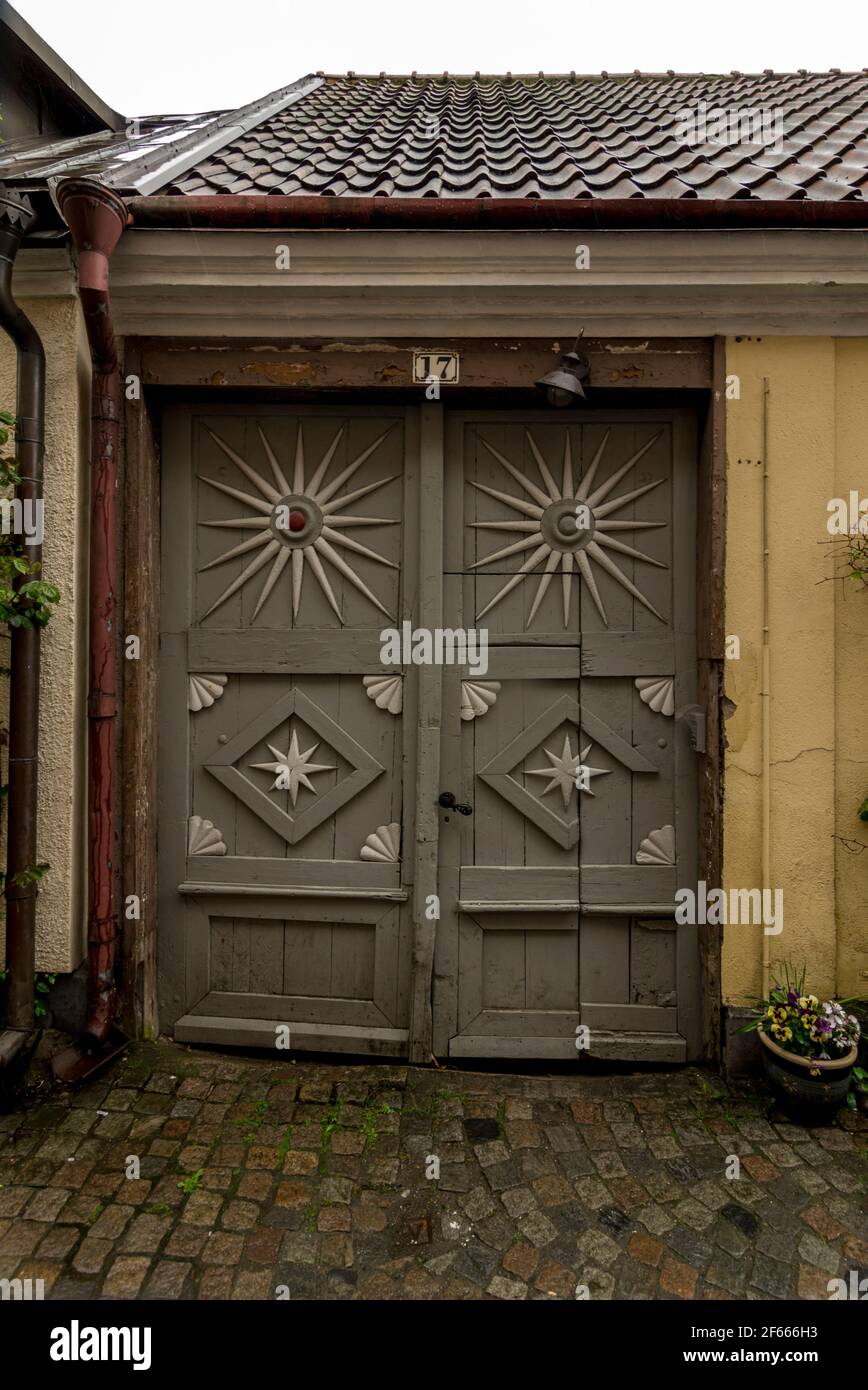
<point x="694" y="717"/>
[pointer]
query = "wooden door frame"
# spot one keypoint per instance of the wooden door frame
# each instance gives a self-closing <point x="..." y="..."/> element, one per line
<point x="683" y="371"/>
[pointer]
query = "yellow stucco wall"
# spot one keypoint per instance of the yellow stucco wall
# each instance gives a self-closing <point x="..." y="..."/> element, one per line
<point x="61" y="922"/>
<point x="817" y="431"/>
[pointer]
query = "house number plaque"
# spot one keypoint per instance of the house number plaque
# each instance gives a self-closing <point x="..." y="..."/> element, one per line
<point x="435" y="366"/>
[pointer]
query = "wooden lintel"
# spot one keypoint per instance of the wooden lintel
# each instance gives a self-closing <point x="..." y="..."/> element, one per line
<point x="340" y="365"/>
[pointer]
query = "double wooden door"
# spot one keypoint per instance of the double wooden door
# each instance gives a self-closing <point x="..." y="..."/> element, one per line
<point x="313" y="888"/>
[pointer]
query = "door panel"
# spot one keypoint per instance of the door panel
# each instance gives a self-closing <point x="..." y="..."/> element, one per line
<point x="299" y="834"/>
<point x="287" y="788"/>
<point x="557" y="898"/>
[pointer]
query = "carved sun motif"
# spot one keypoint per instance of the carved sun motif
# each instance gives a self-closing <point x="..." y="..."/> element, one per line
<point x="299" y="525"/>
<point x="569" y="771"/>
<point x="292" y="768"/>
<point x="565" y="538"/>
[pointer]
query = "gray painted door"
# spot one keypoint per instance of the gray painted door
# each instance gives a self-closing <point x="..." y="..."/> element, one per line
<point x="287" y="780"/>
<point x="557" y="893"/>
<point x="299" y="841"/>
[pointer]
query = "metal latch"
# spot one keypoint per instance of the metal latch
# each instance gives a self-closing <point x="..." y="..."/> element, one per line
<point x="695" y="718"/>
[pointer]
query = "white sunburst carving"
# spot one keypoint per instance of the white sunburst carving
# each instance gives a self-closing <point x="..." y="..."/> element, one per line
<point x="203" y="837"/>
<point x="387" y="692"/>
<point x="298" y="525"/>
<point x="658" y="847"/>
<point x="202" y="691"/>
<point x="549" y="529"/>
<point x="477" y="697"/>
<point x="658" y="692"/>
<point x="383" y="844"/>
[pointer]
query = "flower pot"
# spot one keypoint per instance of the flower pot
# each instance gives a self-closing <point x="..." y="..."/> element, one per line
<point x="809" y="1099"/>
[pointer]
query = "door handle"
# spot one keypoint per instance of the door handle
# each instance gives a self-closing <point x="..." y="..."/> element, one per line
<point x="447" y="801"/>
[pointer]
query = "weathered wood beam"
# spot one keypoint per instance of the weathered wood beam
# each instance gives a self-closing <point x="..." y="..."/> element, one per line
<point x="508" y="363"/>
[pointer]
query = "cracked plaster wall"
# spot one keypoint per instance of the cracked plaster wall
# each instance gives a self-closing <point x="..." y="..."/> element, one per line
<point x="817" y="432"/>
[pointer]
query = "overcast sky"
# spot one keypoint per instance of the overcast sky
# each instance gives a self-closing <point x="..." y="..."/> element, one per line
<point x="188" y="55"/>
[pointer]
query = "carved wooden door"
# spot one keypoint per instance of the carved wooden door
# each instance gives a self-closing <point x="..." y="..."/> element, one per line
<point x="287" y="777"/>
<point x="570" y="538"/>
<point x="303" y="855"/>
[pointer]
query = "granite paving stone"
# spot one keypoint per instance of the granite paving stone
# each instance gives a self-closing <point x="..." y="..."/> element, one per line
<point x="315" y="1177"/>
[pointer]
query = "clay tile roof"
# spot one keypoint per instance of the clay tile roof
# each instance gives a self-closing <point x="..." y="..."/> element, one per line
<point x="664" y="138"/>
<point x="555" y="137"/>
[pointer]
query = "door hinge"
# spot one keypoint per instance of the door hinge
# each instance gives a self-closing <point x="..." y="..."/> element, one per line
<point x="694" y="717"/>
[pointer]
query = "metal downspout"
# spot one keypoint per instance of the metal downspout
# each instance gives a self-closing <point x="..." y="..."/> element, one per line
<point x="765" y="695"/>
<point x="96" y="217"/>
<point x="16" y="218"/>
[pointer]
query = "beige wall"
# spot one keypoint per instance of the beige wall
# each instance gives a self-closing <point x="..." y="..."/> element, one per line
<point x="817" y="414"/>
<point x="61" y="941"/>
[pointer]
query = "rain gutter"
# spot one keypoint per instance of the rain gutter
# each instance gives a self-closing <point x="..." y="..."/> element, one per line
<point x="239" y="210"/>
<point x="96" y="217"/>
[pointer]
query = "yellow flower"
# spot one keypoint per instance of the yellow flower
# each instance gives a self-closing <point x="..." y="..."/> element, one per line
<point x="786" y="1034"/>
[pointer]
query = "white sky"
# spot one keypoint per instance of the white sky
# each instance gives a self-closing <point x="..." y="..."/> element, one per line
<point x="187" y="55"/>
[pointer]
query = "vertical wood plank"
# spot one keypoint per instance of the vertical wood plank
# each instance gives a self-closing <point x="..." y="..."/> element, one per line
<point x="430" y="615"/>
<point x="141" y="615"/>
<point x="710" y="639"/>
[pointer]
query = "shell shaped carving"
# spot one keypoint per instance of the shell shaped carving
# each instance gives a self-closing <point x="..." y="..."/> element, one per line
<point x="658" y="692"/>
<point x="658" y="847"/>
<point x="477" y="697"/>
<point x="383" y="844"/>
<point x="387" y="692"/>
<point x="202" y="691"/>
<point x="203" y="837"/>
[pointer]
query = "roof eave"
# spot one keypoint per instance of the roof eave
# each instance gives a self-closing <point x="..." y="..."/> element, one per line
<point x="233" y="210"/>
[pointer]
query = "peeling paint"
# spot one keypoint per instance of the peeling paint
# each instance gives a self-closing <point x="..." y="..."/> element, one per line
<point x="286" y="373"/>
<point x="363" y="347"/>
<point x="631" y="372"/>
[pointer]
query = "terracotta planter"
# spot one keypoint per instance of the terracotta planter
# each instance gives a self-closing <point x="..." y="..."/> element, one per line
<point x="810" y="1099"/>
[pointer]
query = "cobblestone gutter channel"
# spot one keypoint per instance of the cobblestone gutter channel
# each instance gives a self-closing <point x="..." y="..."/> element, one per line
<point x="308" y="1180"/>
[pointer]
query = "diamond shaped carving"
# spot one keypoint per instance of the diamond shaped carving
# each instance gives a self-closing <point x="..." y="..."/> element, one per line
<point x="293" y="827"/>
<point x="499" y="772"/>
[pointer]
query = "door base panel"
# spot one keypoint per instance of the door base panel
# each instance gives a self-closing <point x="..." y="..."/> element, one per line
<point x="304" y="1037"/>
<point x="609" y="1047"/>
<point x="638" y="1047"/>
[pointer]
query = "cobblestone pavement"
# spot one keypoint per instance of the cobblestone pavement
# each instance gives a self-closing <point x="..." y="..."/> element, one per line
<point x="312" y="1176"/>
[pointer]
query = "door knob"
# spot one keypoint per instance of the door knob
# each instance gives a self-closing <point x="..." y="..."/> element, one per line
<point x="448" y="803"/>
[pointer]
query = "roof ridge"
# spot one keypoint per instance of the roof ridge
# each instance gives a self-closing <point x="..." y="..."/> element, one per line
<point x="153" y="170"/>
<point x="604" y="75"/>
